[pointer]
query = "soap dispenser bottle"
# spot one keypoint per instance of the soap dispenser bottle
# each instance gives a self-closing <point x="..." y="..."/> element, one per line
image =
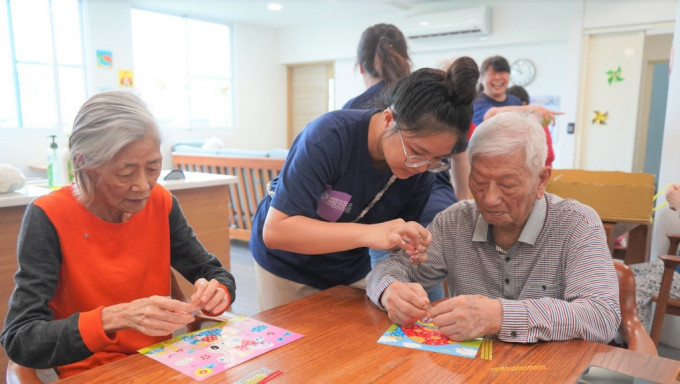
<point x="53" y="165"/>
<point x="66" y="166"/>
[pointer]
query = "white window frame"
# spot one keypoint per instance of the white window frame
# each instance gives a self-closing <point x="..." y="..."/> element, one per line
<point x="188" y="76"/>
<point x="60" y="121"/>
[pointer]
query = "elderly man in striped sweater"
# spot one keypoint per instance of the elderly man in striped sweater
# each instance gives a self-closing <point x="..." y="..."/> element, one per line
<point x="521" y="263"/>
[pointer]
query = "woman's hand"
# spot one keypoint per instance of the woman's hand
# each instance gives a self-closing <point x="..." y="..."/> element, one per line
<point x="394" y="234"/>
<point x="546" y="116"/>
<point x="209" y="296"/>
<point x="153" y="316"/>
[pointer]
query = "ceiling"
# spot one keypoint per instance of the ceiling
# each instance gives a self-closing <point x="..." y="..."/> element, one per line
<point x="294" y="12"/>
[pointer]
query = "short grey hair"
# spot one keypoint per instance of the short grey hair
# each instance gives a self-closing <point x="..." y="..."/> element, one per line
<point x="104" y="125"/>
<point x="510" y="132"/>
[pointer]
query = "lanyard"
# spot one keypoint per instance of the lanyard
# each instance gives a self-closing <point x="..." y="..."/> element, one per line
<point x="370" y="205"/>
<point x="375" y="198"/>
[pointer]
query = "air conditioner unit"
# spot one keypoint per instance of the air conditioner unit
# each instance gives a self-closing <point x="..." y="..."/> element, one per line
<point x="460" y="22"/>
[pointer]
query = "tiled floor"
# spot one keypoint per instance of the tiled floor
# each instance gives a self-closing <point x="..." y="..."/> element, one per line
<point x="246" y="299"/>
<point x="244" y="272"/>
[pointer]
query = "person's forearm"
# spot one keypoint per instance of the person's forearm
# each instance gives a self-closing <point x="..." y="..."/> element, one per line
<point x="190" y="258"/>
<point x="304" y="235"/>
<point x="529" y="321"/>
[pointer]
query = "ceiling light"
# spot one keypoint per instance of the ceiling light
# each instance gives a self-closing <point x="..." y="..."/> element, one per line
<point x="274" y="7"/>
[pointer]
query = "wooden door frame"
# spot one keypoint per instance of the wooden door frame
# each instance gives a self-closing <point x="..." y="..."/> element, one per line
<point x="330" y="73"/>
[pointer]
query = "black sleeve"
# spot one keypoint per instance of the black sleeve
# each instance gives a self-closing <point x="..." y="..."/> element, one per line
<point x="31" y="337"/>
<point x="190" y="258"/>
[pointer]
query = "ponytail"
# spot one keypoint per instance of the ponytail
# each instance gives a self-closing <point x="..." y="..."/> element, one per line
<point x="383" y="53"/>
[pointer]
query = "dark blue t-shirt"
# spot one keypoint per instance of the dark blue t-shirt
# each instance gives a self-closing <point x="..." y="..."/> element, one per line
<point x="328" y="175"/>
<point x="483" y="103"/>
<point x="367" y="100"/>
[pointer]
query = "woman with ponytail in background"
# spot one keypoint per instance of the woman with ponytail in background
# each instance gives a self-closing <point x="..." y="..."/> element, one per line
<point x="357" y="179"/>
<point x="382" y="59"/>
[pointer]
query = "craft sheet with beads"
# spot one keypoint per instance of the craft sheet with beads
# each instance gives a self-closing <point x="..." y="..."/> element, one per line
<point x="212" y="350"/>
<point x="427" y="337"/>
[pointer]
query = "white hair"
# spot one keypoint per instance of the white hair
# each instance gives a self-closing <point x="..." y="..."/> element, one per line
<point x="104" y="125"/>
<point x="510" y="132"/>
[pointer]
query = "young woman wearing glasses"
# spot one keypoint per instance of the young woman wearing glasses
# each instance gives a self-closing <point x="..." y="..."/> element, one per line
<point x="382" y="59"/>
<point x="356" y="179"/>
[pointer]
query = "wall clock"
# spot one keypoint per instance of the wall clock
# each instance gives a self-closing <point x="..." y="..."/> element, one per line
<point x="522" y="71"/>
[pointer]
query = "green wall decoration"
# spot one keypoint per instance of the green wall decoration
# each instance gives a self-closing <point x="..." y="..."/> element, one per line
<point x="614" y="75"/>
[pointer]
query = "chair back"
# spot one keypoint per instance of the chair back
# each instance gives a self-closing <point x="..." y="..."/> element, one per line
<point x="631" y="328"/>
<point x="664" y="303"/>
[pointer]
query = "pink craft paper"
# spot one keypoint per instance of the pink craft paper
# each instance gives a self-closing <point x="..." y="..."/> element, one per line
<point x="212" y="350"/>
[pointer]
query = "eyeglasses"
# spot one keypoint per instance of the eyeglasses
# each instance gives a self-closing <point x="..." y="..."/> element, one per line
<point x="415" y="161"/>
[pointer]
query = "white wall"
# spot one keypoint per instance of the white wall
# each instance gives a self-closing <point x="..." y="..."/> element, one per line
<point x="513" y="35"/>
<point x="626" y="13"/>
<point x="260" y="88"/>
<point x="260" y="96"/>
<point x="106" y="26"/>
<point x="665" y="220"/>
<point x="547" y="32"/>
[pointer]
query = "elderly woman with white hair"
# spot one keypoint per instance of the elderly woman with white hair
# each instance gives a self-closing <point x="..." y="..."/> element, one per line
<point x="521" y="263"/>
<point x="94" y="277"/>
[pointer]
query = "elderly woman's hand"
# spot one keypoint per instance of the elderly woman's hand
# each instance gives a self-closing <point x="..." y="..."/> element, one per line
<point x="210" y="297"/>
<point x="153" y="316"/>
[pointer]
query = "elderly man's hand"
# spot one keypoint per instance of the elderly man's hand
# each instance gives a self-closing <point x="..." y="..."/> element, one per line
<point x="153" y="316"/>
<point x="467" y="317"/>
<point x="209" y="296"/>
<point x="405" y="302"/>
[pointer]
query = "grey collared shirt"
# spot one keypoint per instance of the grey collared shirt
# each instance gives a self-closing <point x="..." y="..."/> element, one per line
<point x="557" y="282"/>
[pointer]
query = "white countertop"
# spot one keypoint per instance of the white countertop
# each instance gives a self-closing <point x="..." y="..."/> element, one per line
<point x="32" y="190"/>
<point x="196" y="180"/>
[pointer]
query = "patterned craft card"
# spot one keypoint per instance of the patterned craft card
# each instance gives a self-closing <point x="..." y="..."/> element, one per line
<point x="427" y="337"/>
<point x="209" y="351"/>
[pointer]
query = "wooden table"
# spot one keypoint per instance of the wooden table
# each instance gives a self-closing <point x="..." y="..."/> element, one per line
<point x="341" y="328"/>
<point x="204" y="200"/>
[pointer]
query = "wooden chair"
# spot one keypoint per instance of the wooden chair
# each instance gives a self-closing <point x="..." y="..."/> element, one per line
<point x="631" y="329"/>
<point x="664" y="304"/>
<point x="17" y="374"/>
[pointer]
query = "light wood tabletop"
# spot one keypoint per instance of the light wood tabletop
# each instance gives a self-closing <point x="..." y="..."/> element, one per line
<point x="341" y="328"/>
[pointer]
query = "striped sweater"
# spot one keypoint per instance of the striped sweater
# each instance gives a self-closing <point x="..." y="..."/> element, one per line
<point x="557" y="282"/>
